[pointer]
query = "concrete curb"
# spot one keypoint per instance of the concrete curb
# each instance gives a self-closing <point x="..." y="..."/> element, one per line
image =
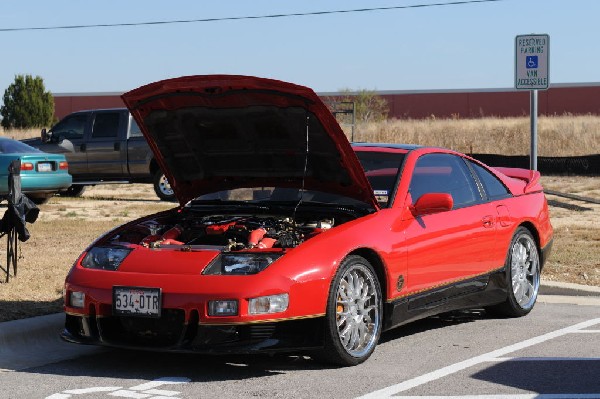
<point x="567" y="289"/>
<point x="34" y="342"/>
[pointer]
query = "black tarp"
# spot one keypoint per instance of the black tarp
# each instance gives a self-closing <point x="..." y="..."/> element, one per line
<point x="20" y="211"/>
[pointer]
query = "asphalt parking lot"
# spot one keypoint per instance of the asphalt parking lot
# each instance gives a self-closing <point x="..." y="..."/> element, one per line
<point x="552" y="353"/>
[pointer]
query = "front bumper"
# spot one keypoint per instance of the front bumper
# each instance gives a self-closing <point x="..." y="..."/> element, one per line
<point x="50" y="182"/>
<point x="172" y="333"/>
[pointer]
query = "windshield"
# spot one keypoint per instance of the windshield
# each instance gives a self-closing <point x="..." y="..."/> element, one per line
<point x="277" y="194"/>
<point x="381" y="169"/>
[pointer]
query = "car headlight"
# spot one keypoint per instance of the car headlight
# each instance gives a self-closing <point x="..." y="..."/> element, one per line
<point x="105" y="258"/>
<point x="240" y="263"/>
<point x="77" y="299"/>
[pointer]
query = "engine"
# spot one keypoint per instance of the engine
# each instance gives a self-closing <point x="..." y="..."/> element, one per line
<point x="230" y="232"/>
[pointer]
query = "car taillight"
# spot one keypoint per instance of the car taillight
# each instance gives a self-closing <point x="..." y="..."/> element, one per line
<point x="26" y="166"/>
<point x="63" y="165"/>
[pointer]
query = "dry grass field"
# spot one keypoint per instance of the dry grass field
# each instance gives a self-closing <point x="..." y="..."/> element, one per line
<point x="565" y="135"/>
<point x="67" y="225"/>
<point x="557" y="135"/>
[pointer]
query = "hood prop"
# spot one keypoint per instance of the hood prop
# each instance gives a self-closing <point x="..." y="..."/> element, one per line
<point x="301" y="192"/>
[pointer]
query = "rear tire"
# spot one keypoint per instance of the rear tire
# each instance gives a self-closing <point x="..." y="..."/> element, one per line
<point x="162" y="187"/>
<point x="522" y="275"/>
<point x="39" y="199"/>
<point x="75" y="190"/>
<point x="354" y="314"/>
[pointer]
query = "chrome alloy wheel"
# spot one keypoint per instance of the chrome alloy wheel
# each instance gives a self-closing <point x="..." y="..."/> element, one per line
<point x="164" y="186"/>
<point x="357" y="311"/>
<point x="525" y="271"/>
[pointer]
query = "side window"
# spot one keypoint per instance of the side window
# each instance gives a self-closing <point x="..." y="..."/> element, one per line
<point x="444" y="173"/>
<point x="134" y="129"/>
<point x="72" y="127"/>
<point x="493" y="187"/>
<point x="106" y="124"/>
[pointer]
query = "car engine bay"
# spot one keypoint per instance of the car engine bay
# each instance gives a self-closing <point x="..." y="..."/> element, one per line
<point x="225" y="232"/>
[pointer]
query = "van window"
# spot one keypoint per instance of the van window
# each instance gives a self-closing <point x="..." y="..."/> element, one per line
<point x="134" y="130"/>
<point x="71" y="127"/>
<point x="106" y="124"/>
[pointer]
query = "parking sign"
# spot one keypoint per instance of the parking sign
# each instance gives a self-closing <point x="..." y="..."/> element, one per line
<point x="532" y="54"/>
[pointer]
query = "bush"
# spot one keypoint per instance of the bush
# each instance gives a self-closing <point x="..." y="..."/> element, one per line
<point x="369" y="107"/>
<point x="27" y="104"/>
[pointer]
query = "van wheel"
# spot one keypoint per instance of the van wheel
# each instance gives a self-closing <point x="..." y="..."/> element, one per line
<point x="162" y="187"/>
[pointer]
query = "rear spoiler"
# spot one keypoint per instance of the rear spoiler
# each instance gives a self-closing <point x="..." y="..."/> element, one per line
<point x="531" y="178"/>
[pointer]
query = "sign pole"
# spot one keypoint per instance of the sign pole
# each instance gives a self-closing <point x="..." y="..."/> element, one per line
<point x="532" y="65"/>
<point x="353" y="118"/>
<point x="534" y="135"/>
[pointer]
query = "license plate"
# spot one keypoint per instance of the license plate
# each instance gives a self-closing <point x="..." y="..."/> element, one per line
<point x="44" y="167"/>
<point x="136" y="301"/>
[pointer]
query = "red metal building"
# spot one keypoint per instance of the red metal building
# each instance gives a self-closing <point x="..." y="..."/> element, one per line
<point x="559" y="99"/>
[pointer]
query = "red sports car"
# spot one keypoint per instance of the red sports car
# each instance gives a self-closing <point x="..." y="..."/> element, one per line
<point x="287" y="238"/>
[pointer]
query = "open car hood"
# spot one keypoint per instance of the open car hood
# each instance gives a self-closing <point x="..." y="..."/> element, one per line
<point x="221" y="132"/>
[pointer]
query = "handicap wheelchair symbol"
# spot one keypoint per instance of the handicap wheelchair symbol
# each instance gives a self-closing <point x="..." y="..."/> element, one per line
<point x="531" y="61"/>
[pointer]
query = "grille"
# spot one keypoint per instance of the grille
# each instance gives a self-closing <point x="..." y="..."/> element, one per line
<point x="141" y="331"/>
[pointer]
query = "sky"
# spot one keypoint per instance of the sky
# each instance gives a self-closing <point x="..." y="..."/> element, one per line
<point x="469" y="46"/>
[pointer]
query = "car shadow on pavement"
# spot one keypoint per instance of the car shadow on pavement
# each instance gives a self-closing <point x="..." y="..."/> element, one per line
<point x="551" y="376"/>
<point x="434" y="322"/>
<point x="129" y="364"/>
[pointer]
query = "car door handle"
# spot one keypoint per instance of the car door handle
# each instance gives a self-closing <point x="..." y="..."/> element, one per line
<point x="117" y="146"/>
<point x="488" y="221"/>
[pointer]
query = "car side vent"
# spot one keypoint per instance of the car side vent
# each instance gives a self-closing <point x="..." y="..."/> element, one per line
<point x="261" y="331"/>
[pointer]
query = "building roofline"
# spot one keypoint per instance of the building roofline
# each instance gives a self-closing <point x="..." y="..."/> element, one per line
<point x="458" y="91"/>
<point x="379" y="92"/>
<point x="89" y="94"/>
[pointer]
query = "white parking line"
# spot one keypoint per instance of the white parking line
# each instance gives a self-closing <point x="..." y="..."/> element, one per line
<point x="490" y="356"/>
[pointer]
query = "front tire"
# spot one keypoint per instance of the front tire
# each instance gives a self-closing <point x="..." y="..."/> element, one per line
<point x="522" y="275"/>
<point x="162" y="187"/>
<point x="354" y="314"/>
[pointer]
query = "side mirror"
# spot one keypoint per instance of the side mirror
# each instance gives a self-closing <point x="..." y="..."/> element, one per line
<point x="432" y="203"/>
<point x="46" y="136"/>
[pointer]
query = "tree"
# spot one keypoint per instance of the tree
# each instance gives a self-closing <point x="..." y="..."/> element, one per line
<point x="27" y="104"/>
<point x="369" y="107"/>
